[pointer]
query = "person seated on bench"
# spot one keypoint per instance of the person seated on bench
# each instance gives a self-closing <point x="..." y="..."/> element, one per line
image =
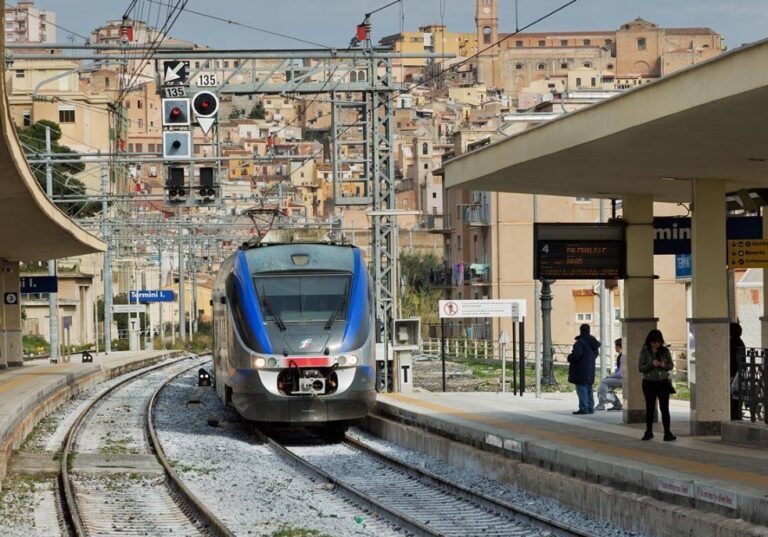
<point x="611" y="382"/>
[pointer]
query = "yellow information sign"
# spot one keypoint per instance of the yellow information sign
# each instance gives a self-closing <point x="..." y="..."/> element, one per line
<point x="747" y="253"/>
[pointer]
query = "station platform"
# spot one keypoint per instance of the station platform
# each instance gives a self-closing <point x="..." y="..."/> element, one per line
<point x="28" y="393"/>
<point x="694" y="486"/>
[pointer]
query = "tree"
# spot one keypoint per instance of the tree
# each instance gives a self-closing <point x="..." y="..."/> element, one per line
<point x="257" y="112"/>
<point x="418" y="299"/>
<point x="64" y="182"/>
<point x="236" y="113"/>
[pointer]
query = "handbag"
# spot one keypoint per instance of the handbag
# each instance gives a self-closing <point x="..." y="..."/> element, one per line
<point x="671" y="387"/>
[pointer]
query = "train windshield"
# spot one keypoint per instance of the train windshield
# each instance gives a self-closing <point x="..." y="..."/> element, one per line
<point x="304" y="297"/>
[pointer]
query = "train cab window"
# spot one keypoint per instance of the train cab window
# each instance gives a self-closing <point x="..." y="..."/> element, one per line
<point x="303" y="298"/>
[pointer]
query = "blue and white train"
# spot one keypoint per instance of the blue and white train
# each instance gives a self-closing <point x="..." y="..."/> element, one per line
<point x="293" y="340"/>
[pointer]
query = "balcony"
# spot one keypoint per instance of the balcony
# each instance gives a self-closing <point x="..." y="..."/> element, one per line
<point x="477" y="215"/>
<point x="435" y="223"/>
<point x="441" y="279"/>
<point x="477" y="275"/>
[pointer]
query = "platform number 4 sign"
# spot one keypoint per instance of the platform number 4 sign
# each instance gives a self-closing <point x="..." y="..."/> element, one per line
<point x="545" y="249"/>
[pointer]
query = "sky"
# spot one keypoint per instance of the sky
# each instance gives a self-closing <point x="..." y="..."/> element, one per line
<point x="332" y="22"/>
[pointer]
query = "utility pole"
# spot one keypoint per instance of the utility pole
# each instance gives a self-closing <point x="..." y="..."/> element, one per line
<point x="53" y="298"/>
<point x="160" y="286"/>
<point x="107" y="270"/>
<point x="182" y="285"/>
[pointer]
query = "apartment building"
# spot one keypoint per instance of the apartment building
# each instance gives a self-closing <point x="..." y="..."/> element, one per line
<point x="25" y="23"/>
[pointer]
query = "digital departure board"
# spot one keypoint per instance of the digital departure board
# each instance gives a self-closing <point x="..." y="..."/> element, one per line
<point x="579" y="252"/>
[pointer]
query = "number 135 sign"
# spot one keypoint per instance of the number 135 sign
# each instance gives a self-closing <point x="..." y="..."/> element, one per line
<point x="207" y="80"/>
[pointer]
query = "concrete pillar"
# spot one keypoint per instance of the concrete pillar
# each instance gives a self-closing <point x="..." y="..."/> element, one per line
<point x="10" y="326"/>
<point x="638" y="300"/>
<point x="710" y="386"/>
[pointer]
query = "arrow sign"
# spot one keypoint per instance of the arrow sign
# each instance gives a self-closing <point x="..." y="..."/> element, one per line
<point x="175" y="71"/>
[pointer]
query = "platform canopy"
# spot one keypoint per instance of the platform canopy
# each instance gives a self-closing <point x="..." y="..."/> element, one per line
<point x="708" y="121"/>
<point x="32" y="228"/>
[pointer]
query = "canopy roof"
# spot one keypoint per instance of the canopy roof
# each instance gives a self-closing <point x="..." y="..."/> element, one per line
<point x="32" y="228"/>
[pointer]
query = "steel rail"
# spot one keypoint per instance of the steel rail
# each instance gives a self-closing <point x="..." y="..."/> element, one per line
<point x="546" y="523"/>
<point x="214" y="525"/>
<point x="396" y="517"/>
<point x="70" y="508"/>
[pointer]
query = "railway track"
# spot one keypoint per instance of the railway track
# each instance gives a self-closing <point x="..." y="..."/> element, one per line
<point x="132" y="488"/>
<point x="419" y="502"/>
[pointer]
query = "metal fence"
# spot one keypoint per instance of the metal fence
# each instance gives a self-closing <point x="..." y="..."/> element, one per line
<point x="749" y="385"/>
<point x="474" y="349"/>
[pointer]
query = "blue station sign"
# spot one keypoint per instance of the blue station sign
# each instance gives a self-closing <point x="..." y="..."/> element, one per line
<point x="683" y="267"/>
<point x="146" y="295"/>
<point x="39" y="284"/>
<point x="672" y="234"/>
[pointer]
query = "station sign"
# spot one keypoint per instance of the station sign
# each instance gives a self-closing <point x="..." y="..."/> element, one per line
<point x="579" y="252"/>
<point x="459" y="309"/>
<point x="672" y="234"/>
<point x="744" y="254"/>
<point x="683" y="267"/>
<point x="39" y="284"/>
<point x="129" y="308"/>
<point x="146" y="295"/>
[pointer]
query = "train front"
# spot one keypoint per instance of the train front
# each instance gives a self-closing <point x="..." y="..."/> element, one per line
<point x="301" y="345"/>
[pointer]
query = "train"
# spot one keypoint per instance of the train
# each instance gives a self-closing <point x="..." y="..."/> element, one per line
<point x="294" y="332"/>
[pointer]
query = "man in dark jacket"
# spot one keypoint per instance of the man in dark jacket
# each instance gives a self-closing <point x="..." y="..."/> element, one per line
<point x="581" y="369"/>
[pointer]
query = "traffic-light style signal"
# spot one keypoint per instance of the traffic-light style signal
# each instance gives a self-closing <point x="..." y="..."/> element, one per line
<point x="207" y="187"/>
<point x="175" y="112"/>
<point x="174" y="185"/>
<point x="205" y="105"/>
<point x="177" y="145"/>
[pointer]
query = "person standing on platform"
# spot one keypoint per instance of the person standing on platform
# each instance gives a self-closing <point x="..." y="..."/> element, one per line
<point x="581" y="369"/>
<point x="612" y="381"/>
<point x="738" y="354"/>
<point x="655" y="364"/>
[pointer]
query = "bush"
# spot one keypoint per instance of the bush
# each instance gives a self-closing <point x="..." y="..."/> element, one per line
<point x="35" y="345"/>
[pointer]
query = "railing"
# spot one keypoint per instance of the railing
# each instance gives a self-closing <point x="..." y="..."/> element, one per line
<point x="473" y="349"/>
<point x="477" y="215"/>
<point x="750" y="385"/>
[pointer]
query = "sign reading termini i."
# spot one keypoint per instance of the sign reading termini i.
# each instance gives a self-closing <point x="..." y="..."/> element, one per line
<point x="579" y="251"/>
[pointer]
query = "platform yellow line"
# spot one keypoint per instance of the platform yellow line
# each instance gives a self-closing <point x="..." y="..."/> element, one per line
<point x="674" y="463"/>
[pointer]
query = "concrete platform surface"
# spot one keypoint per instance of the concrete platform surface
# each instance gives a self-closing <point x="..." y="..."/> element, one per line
<point x="699" y="472"/>
<point x="29" y="392"/>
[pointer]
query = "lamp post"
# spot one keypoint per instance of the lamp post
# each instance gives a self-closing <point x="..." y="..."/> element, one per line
<point x="546" y="332"/>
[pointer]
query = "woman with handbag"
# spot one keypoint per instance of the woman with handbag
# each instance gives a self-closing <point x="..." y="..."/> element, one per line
<point x="655" y="365"/>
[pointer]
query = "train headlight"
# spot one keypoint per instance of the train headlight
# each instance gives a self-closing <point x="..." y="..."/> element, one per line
<point x="347" y="360"/>
<point x="351" y="359"/>
<point x="259" y="362"/>
<point x="272" y="362"/>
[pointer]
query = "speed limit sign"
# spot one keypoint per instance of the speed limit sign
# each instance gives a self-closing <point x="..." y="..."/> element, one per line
<point x="11" y="298"/>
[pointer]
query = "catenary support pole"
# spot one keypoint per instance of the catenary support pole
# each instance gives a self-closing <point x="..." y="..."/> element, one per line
<point x="107" y="269"/>
<point x="53" y="298"/>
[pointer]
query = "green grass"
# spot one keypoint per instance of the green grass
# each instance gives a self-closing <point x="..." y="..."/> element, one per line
<point x="117" y="446"/>
<point x="16" y="499"/>
<point x="45" y="426"/>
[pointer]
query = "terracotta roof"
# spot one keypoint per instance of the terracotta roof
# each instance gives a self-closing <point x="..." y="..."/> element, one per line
<point x="562" y="34"/>
<point x="690" y="31"/>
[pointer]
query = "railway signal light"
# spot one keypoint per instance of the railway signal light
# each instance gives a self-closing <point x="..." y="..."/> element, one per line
<point x="176" y="145"/>
<point x="174" y="185"/>
<point x="203" y="377"/>
<point x="206" y="187"/>
<point x="175" y="112"/>
<point x="205" y="105"/>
